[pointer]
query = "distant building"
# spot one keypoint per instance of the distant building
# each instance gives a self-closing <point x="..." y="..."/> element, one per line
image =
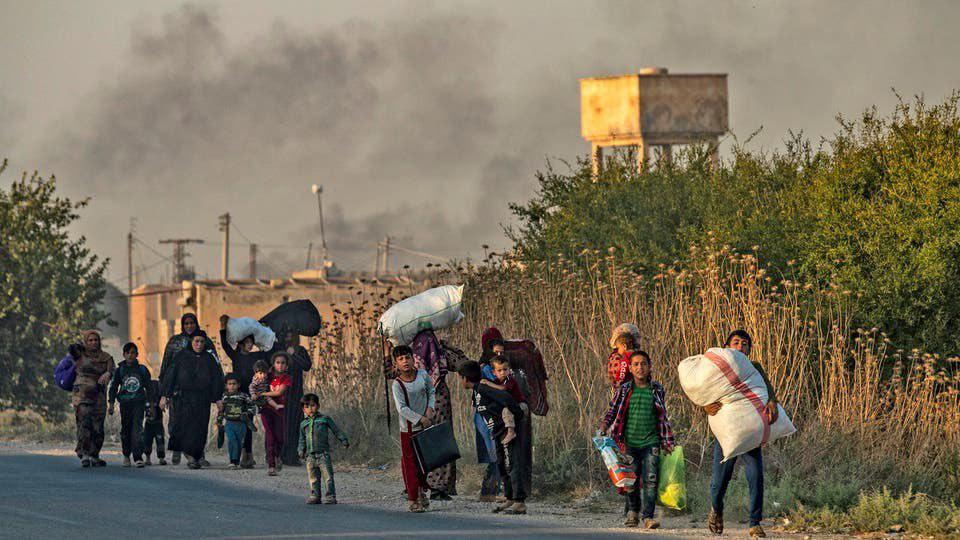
<point x="155" y="310"/>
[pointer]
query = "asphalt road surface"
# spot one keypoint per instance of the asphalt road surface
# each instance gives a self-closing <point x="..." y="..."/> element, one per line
<point x="43" y="496"/>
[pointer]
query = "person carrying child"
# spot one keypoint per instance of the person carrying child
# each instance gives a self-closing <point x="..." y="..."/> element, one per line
<point x="129" y="385"/>
<point x="260" y="387"/>
<point x="414" y="396"/>
<point x="313" y="448"/>
<point x="271" y="415"/>
<point x="637" y="420"/>
<point x="235" y="418"/>
<point x="504" y="381"/>
<point x="153" y="426"/>
<point x="489" y="404"/>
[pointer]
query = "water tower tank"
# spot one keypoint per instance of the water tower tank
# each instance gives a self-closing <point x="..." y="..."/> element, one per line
<point x="653" y="108"/>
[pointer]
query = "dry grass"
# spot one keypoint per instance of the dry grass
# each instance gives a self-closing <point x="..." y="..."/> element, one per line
<point x="838" y="382"/>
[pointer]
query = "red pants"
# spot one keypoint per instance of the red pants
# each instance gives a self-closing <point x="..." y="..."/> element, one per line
<point x="272" y="435"/>
<point x="413" y="480"/>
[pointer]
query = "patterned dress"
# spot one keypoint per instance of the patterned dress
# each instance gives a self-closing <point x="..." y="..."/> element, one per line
<point x="429" y="356"/>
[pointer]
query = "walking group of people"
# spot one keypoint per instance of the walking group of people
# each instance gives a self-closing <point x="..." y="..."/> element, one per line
<point x="270" y="383"/>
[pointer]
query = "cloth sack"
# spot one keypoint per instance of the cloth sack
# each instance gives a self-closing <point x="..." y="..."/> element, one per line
<point x="727" y="376"/>
<point x="434" y="309"/>
<point x="239" y="328"/>
<point x="672" y="487"/>
<point x="65" y="373"/>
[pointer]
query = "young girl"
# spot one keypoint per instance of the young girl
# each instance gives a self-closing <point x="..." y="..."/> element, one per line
<point x="637" y="421"/>
<point x="415" y="398"/>
<point x="273" y="428"/>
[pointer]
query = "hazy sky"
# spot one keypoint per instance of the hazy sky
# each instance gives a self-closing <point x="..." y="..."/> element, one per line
<point x="421" y="119"/>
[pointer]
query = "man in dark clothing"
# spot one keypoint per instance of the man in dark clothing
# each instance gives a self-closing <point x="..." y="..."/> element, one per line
<point x="298" y="365"/>
<point x="242" y="360"/>
<point x="489" y="403"/>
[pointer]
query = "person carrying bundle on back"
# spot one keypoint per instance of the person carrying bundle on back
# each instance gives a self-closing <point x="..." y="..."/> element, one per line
<point x="741" y="341"/>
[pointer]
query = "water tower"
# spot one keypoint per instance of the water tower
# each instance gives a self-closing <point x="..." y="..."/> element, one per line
<point x="653" y="108"/>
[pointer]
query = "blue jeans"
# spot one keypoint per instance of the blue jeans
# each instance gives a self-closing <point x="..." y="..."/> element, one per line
<point x="235" y="430"/>
<point x="646" y="463"/>
<point x="723" y="472"/>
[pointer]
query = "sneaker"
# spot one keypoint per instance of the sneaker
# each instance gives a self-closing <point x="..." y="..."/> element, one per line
<point x="162" y="462"/>
<point x="313" y="499"/>
<point x="518" y="508"/>
<point x="632" y="519"/>
<point x="502" y="506"/>
<point x="416" y="507"/>
<point x="651" y="523"/>
<point x="330" y="500"/>
<point x="176" y="458"/>
<point x="126" y="461"/>
<point x="715" y="522"/>
<point x="147" y="462"/>
<point x="757" y="532"/>
<point x="271" y="471"/>
<point x="204" y="463"/>
<point x="194" y="465"/>
<point x="97" y="462"/>
<point x="233" y="467"/>
<point x="85" y="462"/>
<point x="139" y="463"/>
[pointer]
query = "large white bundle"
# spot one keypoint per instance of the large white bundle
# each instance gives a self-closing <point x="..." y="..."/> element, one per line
<point x="436" y="308"/>
<point x="239" y="328"/>
<point x="727" y="376"/>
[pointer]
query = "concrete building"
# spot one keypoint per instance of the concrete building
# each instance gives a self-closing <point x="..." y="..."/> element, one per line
<point x="653" y="108"/>
<point x="155" y="310"/>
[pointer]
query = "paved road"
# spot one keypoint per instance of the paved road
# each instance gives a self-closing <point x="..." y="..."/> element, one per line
<point x="44" y="496"/>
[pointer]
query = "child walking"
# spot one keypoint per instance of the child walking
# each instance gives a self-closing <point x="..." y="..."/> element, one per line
<point x="153" y="426"/>
<point x="414" y="397"/>
<point x="314" y="448"/>
<point x="236" y="417"/>
<point x="637" y="421"/>
<point x="272" y="416"/>
<point x="129" y="385"/>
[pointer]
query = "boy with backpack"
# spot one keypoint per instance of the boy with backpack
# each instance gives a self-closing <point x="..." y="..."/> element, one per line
<point x="129" y="385"/>
<point x="313" y="448"/>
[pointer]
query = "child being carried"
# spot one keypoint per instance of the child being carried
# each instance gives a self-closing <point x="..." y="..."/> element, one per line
<point x="261" y="385"/>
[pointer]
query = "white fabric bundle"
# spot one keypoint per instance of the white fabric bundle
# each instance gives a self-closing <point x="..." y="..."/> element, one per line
<point x="436" y="309"/>
<point x="727" y="376"/>
<point x="239" y="328"/>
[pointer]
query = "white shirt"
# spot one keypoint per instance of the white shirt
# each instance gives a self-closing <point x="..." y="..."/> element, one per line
<point x="422" y="395"/>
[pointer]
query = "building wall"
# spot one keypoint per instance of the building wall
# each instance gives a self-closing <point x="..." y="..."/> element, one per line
<point x="155" y="310"/>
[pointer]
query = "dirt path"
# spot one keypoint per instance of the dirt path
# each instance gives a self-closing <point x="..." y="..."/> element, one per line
<point x="382" y="489"/>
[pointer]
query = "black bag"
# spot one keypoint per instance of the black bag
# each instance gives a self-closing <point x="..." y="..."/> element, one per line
<point x="433" y="447"/>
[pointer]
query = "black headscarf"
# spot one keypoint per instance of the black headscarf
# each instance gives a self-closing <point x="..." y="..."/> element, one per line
<point x="197" y="332"/>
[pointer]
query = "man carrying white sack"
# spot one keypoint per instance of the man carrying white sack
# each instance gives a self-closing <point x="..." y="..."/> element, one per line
<point x="752" y="460"/>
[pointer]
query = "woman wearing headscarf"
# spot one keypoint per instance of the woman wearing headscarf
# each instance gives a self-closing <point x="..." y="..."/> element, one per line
<point x="189" y="327"/>
<point x="298" y="364"/>
<point x="94" y="370"/>
<point x="192" y="382"/>
<point x="429" y="356"/>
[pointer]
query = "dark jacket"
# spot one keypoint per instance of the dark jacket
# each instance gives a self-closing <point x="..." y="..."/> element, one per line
<point x="198" y="374"/>
<point x="242" y="363"/>
<point x="130" y="382"/>
<point x="315" y="434"/>
<point x="237" y="407"/>
<point x="489" y="404"/>
<point x="153" y="413"/>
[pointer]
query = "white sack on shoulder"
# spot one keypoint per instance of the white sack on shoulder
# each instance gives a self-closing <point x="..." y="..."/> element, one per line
<point x="239" y="328"/>
<point x="727" y="376"/>
<point x="436" y="309"/>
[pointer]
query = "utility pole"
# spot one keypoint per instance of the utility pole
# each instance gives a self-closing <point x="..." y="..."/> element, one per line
<point x="133" y="223"/>
<point x="383" y="253"/>
<point x="180" y="271"/>
<point x="253" y="261"/>
<point x="309" y="253"/>
<point x="225" y="256"/>
<point x="323" y="237"/>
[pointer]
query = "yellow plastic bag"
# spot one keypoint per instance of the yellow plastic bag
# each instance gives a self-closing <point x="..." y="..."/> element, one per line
<point x="672" y="489"/>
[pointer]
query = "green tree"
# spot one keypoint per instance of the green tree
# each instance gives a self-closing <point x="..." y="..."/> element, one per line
<point x="50" y="287"/>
